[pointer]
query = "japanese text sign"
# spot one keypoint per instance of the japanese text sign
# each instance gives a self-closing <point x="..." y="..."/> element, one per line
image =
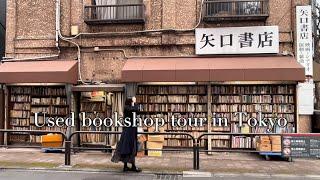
<point x="304" y="38"/>
<point x="237" y="40"/>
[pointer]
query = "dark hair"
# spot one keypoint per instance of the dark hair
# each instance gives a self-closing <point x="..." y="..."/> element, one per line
<point x="128" y="102"/>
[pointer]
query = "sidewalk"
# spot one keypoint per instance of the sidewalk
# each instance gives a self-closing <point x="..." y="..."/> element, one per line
<point x="170" y="162"/>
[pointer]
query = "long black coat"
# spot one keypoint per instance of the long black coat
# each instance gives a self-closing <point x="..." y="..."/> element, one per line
<point x="127" y="147"/>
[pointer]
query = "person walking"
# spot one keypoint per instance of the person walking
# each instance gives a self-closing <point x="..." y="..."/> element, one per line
<point x="127" y="147"/>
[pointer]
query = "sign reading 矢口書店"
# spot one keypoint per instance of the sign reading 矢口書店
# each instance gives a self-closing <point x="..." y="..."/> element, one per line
<point x="304" y="38"/>
<point x="237" y="40"/>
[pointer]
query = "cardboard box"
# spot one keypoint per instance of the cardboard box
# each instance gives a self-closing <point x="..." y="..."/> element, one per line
<point x="276" y="148"/>
<point x="156" y="137"/>
<point x="159" y="138"/>
<point x="265" y="142"/>
<point x="275" y="139"/>
<point x="265" y="147"/>
<point x="154" y="145"/>
<point x="52" y="140"/>
<point x="264" y="138"/>
<point x="155" y="153"/>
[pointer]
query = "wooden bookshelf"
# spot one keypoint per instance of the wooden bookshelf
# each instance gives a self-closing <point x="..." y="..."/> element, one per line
<point x="189" y="100"/>
<point x="271" y="100"/>
<point x="178" y="100"/>
<point x="94" y="108"/>
<point x="24" y="101"/>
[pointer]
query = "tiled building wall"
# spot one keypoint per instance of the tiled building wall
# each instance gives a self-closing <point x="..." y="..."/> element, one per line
<point x="31" y="32"/>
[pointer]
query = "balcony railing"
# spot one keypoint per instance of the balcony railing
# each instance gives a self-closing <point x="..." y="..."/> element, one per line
<point x="106" y="14"/>
<point x="218" y="10"/>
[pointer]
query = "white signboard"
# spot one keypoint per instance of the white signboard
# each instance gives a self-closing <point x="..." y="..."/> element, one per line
<point x="237" y="40"/>
<point x="306" y="98"/>
<point x="304" y="38"/>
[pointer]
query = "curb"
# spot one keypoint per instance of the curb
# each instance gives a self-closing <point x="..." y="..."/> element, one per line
<point x="195" y="173"/>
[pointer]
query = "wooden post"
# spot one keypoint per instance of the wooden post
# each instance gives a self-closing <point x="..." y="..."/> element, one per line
<point x="6" y="113"/>
<point x="2" y="109"/>
<point x="209" y="116"/>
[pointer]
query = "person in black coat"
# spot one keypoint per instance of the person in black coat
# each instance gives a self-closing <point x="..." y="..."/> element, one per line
<point x="127" y="147"/>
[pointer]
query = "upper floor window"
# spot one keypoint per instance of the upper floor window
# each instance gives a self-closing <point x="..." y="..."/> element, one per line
<point x="114" y="11"/>
<point x="216" y="10"/>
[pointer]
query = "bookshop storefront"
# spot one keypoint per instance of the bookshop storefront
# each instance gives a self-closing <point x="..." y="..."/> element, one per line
<point x="97" y="101"/>
<point x="217" y="87"/>
<point x="35" y="86"/>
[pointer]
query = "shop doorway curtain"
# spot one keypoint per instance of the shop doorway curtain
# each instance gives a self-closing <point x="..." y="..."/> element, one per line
<point x="117" y="106"/>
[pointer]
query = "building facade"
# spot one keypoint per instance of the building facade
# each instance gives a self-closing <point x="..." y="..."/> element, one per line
<point x="2" y="28"/>
<point x="147" y="48"/>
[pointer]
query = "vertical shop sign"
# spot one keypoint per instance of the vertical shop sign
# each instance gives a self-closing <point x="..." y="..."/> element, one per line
<point x="304" y="38"/>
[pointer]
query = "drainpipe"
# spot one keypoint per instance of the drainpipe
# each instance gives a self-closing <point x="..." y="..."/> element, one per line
<point x="59" y="35"/>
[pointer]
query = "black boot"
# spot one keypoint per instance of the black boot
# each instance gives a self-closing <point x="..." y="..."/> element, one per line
<point x="135" y="169"/>
<point x="125" y="167"/>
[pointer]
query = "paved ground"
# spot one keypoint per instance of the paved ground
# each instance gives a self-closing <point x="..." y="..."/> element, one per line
<point x="16" y="174"/>
<point x="170" y="162"/>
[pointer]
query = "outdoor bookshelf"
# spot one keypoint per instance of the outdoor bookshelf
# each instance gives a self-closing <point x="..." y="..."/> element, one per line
<point x="178" y="100"/>
<point x="273" y="100"/>
<point x="25" y="101"/>
<point x="94" y="107"/>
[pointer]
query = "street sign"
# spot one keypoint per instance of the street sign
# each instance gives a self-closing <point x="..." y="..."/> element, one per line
<point x="301" y="145"/>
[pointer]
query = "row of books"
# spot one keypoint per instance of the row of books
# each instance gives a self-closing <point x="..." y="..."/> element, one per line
<point x="19" y="122"/>
<point x="180" y="89"/>
<point x="48" y="91"/>
<point x="92" y="106"/>
<point x="235" y="128"/>
<point x="59" y="110"/>
<point x="20" y="90"/>
<point x="19" y="114"/>
<point x="21" y="106"/>
<point x="46" y="128"/>
<point x="252" y="108"/>
<point x="20" y="129"/>
<point x="49" y="101"/>
<point x="168" y="116"/>
<point x="92" y="138"/>
<point x="38" y="90"/>
<point x="41" y="120"/>
<point x="93" y="115"/>
<point x="177" y="143"/>
<point x="173" y="107"/>
<point x="171" y="99"/>
<point x="18" y="138"/>
<point x="40" y="101"/>
<point x="241" y="142"/>
<point x="217" y="99"/>
<point x="169" y="127"/>
<point x="40" y="109"/>
<point x="253" y="89"/>
<point x="220" y="143"/>
<point x="220" y="128"/>
<point x="20" y="98"/>
<point x="282" y="99"/>
<point x="232" y="117"/>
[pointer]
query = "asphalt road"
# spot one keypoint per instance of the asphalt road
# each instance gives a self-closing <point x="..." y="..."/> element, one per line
<point x="14" y="174"/>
